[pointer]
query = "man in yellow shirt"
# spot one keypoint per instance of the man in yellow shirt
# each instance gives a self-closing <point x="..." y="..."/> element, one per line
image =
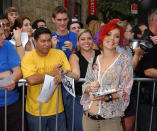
<point x="43" y="60"/>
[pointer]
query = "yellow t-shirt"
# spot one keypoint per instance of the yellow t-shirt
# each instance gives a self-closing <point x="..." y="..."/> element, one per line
<point x="33" y="64"/>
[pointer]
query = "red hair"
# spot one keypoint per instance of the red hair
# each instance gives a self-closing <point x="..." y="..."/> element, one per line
<point x="112" y="24"/>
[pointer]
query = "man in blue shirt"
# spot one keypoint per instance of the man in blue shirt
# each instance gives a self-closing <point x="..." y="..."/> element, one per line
<point x="9" y="65"/>
<point x="66" y="41"/>
<point x="63" y="39"/>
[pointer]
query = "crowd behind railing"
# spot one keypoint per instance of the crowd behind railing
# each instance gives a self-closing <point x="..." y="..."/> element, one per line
<point x="100" y="58"/>
<point x="136" y="128"/>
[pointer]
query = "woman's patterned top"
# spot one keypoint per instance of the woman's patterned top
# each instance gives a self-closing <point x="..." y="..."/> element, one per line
<point x="119" y="76"/>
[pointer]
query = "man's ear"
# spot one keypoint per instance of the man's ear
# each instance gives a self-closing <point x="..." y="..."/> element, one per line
<point x="68" y="20"/>
<point x="53" y="20"/>
<point x="35" y="42"/>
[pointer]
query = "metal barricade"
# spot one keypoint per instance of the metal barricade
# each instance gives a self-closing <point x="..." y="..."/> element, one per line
<point x="139" y="80"/>
<point x="23" y="105"/>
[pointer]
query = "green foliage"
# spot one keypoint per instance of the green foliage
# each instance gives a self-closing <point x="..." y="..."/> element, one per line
<point x="115" y="9"/>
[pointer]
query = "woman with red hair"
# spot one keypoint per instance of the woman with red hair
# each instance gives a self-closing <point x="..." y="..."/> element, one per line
<point x="111" y="74"/>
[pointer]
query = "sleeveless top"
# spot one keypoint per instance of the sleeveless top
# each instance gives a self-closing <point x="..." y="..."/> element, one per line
<point x="83" y="63"/>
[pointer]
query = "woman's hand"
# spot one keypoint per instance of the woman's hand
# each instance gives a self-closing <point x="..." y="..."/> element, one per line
<point x="102" y="98"/>
<point x="94" y="86"/>
<point x="99" y="98"/>
<point x="17" y="35"/>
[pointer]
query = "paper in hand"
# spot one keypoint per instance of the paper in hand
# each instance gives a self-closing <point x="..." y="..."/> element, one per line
<point x="24" y="39"/>
<point x="97" y="94"/>
<point x="48" y="88"/>
<point x="68" y="84"/>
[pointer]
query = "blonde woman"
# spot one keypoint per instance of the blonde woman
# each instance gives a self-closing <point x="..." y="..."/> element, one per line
<point x="94" y="26"/>
<point x="79" y="62"/>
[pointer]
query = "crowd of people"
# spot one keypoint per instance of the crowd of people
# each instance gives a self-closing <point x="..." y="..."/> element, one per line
<point x="99" y="52"/>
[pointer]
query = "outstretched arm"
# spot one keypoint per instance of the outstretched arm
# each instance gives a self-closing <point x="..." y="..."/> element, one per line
<point x="17" y="74"/>
<point x="75" y="68"/>
<point x="5" y="74"/>
<point x="39" y="78"/>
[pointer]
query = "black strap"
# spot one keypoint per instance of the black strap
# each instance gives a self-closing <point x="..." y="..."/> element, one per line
<point x="97" y="52"/>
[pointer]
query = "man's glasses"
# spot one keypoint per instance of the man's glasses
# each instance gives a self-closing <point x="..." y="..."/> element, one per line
<point x="1" y="25"/>
<point x="4" y="25"/>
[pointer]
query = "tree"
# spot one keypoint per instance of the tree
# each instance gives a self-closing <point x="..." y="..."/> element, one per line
<point x="115" y="9"/>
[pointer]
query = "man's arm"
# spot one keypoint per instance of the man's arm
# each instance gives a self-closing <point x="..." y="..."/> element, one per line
<point x="74" y="63"/>
<point x="136" y="58"/>
<point x="17" y="74"/>
<point x="151" y="72"/>
<point x="5" y="74"/>
<point x="39" y="78"/>
<point x="35" y="79"/>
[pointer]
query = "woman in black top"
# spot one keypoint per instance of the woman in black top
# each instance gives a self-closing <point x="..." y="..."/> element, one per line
<point x="79" y="63"/>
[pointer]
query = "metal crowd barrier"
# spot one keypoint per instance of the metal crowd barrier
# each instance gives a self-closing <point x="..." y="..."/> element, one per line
<point x="23" y="81"/>
<point x="139" y="80"/>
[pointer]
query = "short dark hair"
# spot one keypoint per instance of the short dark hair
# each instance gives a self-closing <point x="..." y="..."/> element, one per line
<point x="35" y="23"/>
<point x="72" y="21"/>
<point x="41" y="30"/>
<point x="136" y="31"/>
<point x="60" y="9"/>
<point x="3" y="16"/>
<point x="90" y="18"/>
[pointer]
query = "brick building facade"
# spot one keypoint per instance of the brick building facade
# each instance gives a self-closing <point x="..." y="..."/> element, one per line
<point x="36" y="9"/>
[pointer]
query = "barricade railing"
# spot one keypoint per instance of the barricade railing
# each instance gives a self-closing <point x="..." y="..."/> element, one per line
<point x="23" y="81"/>
<point x="139" y="80"/>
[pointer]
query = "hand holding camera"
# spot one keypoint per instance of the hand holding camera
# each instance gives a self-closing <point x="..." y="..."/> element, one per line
<point x="54" y="41"/>
<point x="154" y="39"/>
<point x="145" y="44"/>
<point x="68" y="45"/>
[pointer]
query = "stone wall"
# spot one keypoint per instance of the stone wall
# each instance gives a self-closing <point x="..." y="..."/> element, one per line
<point x="36" y="9"/>
<point x="84" y="10"/>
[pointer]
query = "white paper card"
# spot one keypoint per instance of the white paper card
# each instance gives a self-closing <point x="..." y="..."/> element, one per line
<point x="68" y="84"/>
<point x="5" y="82"/>
<point x="97" y="94"/>
<point x="12" y="41"/>
<point x="48" y="88"/>
<point x="24" y="39"/>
